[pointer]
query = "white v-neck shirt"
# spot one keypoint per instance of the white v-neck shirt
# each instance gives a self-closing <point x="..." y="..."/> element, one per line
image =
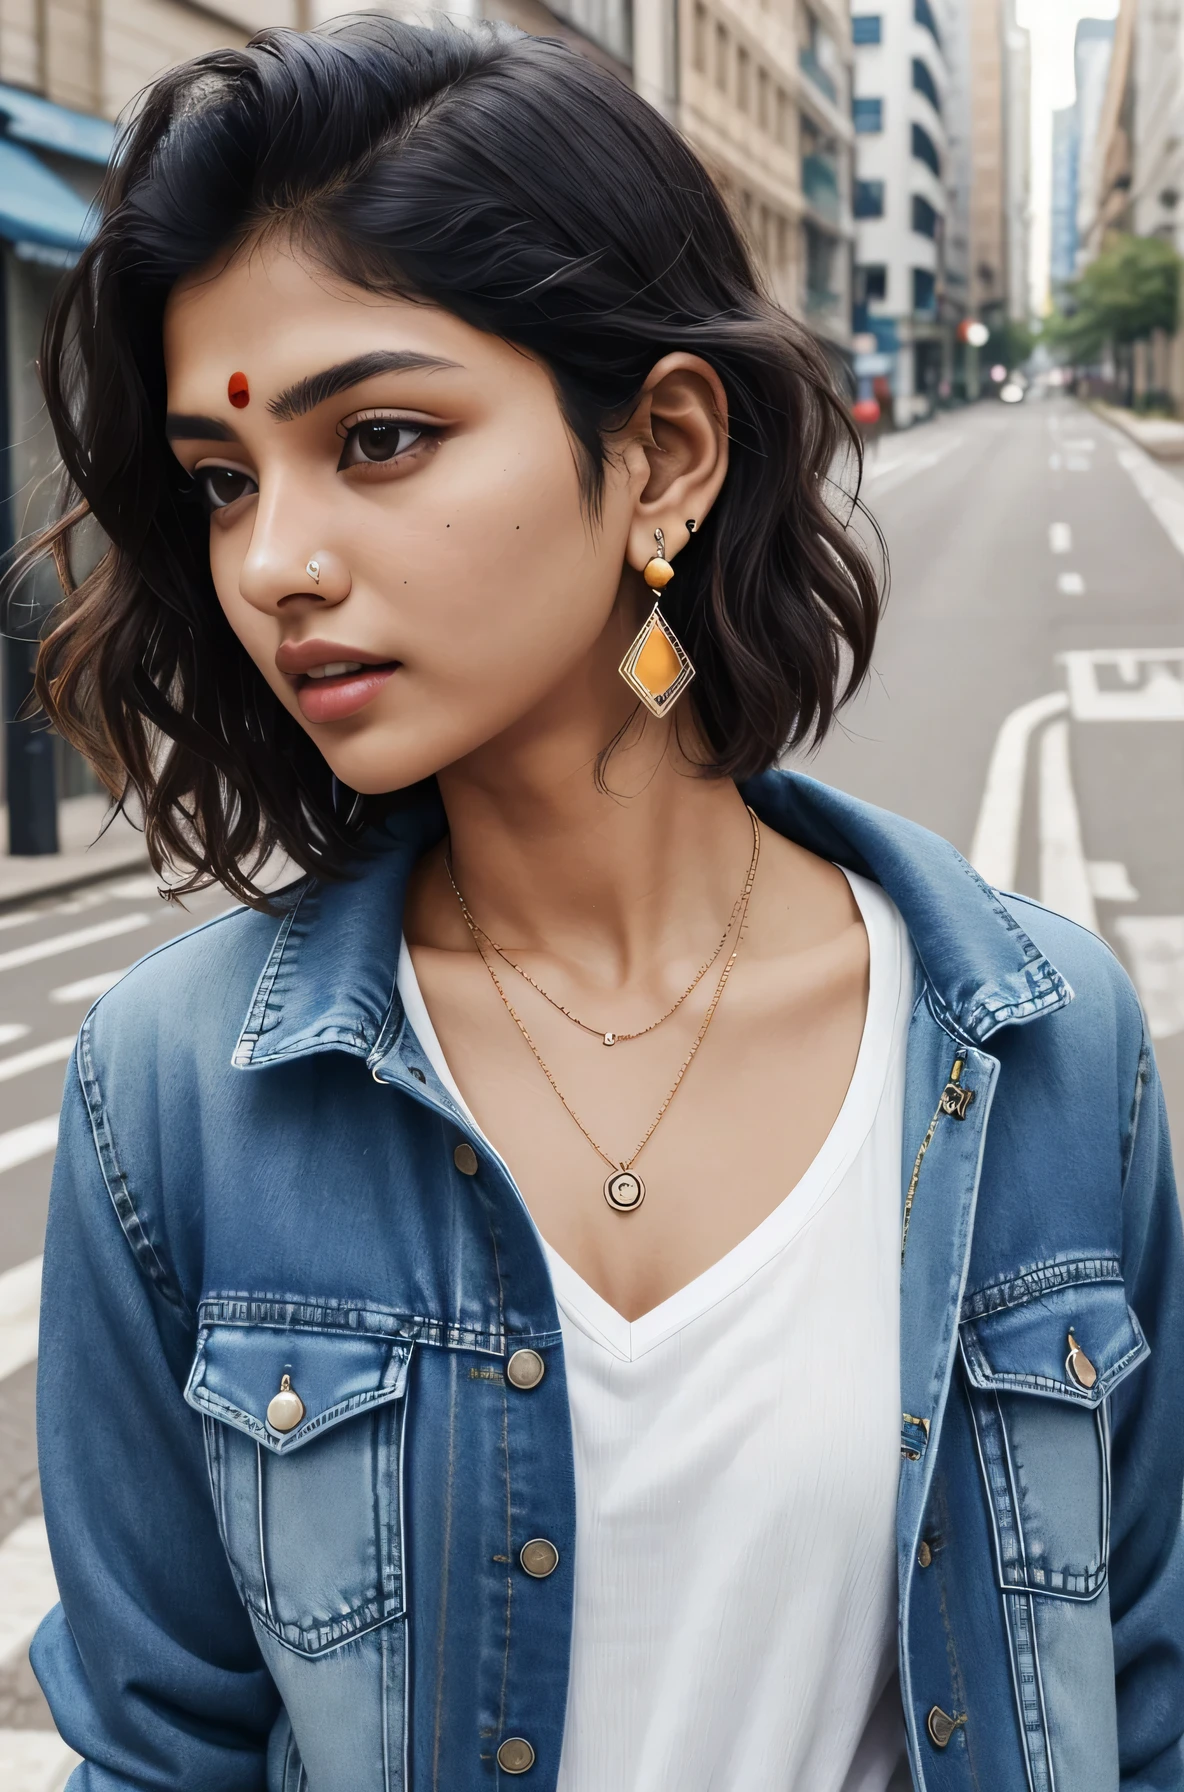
<point x="736" y="1459"/>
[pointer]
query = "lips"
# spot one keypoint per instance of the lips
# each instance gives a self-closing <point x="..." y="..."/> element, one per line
<point x="331" y="679"/>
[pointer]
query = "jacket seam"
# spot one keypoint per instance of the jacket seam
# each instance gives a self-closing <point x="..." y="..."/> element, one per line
<point x="1031" y="1284"/>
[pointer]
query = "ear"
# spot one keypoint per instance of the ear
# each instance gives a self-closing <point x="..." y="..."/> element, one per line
<point x="680" y="427"/>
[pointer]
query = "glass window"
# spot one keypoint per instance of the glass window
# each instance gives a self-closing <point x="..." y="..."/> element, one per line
<point x="925" y="219"/>
<point x="866" y="28"/>
<point x="923" y="82"/>
<point x="701" y="39"/>
<point x="872" y="281"/>
<point x="923" y="13"/>
<point x="925" y="149"/>
<point x="868" y="199"/>
<point x="721" y="58"/>
<point x="924" y="290"/>
<point x="868" y="116"/>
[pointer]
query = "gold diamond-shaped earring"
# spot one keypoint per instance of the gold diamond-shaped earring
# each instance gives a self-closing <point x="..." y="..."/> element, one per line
<point x="657" y="667"/>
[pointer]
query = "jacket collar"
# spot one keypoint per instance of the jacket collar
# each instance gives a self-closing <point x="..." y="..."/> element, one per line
<point x="329" y="981"/>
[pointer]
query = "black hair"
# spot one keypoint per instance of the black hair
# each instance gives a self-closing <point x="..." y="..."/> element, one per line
<point x="528" y="191"/>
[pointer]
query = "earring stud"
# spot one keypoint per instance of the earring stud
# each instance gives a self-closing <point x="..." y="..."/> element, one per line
<point x="313" y="569"/>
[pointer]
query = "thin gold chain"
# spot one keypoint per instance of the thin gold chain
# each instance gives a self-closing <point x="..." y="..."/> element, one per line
<point x="610" y="1038"/>
<point x="612" y="1162"/>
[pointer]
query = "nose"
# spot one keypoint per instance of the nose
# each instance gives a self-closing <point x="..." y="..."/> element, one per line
<point x="288" y="563"/>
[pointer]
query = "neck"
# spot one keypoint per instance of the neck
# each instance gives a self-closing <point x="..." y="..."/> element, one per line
<point x="646" y="862"/>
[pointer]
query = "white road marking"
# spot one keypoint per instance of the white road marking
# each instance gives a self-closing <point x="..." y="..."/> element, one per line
<point x="1054" y="462"/>
<point x="995" y="849"/>
<point x="13" y="1030"/>
<point x="1071" y="584"/>
<point x="70" y="942"/>
<point x="1154" y="948"/>
<point x="20" y="1301"/>
<point x="55" y="1052"/>
<point x="887" y="475"/>
<point x="1064" y="878"/>
<point x="1077" y="463"/>
<point x="1160" y="491"/>
<point x="35" y="1761"/>
<point x="1110" y="881"/>
<point x="88" y="989"/>
<point x="1078" y="444"/>
<point x="1060" y="538"/>
<point x="27" y="1587"/>
<point x="24" y="1143"/>
<point x="1126" y="684"/>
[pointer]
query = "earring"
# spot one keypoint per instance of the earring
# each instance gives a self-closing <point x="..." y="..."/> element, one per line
<point x="657" y="667"/>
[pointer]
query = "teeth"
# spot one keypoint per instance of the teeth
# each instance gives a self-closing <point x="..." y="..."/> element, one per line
<point x="335" y="668"/>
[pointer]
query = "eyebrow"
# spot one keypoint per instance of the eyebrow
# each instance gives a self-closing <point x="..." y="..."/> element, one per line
<point x="180" y="426"/>
<point x="304" y="396"/>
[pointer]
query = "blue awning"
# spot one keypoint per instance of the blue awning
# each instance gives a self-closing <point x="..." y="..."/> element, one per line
<point x="29" y="119"/>
<point x="37" y="207"/>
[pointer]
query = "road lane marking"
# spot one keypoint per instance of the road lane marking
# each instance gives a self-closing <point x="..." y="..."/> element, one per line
<point x="1071" y="584"/>
<point x="1064" y="875"/>
<point x="20" y="1302"/>
<point x="1110" y="881"/>
<point x="88" y="989"/>
<point x="70" y="942"/>
<point x="1161" y="492"/>
<point x="896" y="472"/>
<point x="1154" y="949"/>
<point x="1125" y="684"/>
<point x="27" y="1587"/>
<point x="25" y="1143"/>
<point x="55" y="1052"/>
<point x="995" y="849"/>
<point x="13" y="1030"/>
<point x="1077" y="463"/>
<point x="35" y="1761"/>
<point x="1060" y="538"/>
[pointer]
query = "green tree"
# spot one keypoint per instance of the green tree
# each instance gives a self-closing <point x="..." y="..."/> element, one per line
<point x="1131" y="289"/>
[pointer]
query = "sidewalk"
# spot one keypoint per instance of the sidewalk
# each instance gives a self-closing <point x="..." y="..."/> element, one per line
<point x="1162" y="437"/>
<point x="85" y="856"/>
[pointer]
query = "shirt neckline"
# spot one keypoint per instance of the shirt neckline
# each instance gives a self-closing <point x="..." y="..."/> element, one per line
<point x="628" y="1340"/>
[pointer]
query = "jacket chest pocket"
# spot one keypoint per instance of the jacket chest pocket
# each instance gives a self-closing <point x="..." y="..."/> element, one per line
<point x="306" y="1486"/>
<point x="1039" y="1373"/>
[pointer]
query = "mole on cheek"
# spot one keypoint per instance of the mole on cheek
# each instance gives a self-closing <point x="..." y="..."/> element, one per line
<point x="238" y="391"/>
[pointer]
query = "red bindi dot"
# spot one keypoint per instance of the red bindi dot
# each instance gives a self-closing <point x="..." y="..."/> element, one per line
<point x="238" y="391"/>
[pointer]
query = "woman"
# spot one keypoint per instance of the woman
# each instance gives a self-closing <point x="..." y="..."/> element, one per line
<point x="488" y="1332"/>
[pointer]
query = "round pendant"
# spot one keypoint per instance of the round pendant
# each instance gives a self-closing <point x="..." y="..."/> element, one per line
<point x="285" y="1409"/>
<point x="610" y="1039"/>
<point x="624" y="1190"/>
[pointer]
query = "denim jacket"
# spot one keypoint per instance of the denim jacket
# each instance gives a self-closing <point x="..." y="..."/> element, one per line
<point x="260" y="1175"/>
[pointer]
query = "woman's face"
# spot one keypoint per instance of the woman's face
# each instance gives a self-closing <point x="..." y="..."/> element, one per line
<point x="396" y="529"/>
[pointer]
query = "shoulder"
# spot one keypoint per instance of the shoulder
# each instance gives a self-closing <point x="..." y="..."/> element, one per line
<point x="1101" y="988"/>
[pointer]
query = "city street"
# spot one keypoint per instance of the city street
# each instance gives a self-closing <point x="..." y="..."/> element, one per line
<point x="1028" y="703"/>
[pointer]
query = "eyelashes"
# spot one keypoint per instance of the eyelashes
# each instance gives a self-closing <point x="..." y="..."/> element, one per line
<point x="374" y="441"/>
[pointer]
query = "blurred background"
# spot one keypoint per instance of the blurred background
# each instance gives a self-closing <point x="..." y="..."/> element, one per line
<point x="978" y="205"/>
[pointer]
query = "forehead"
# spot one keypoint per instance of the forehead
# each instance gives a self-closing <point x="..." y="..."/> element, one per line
<point x="274" y="313"/>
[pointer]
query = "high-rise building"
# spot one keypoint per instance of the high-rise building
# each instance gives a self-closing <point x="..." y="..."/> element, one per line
<point x="1017" y="163"/>
<point x="901" y="195"/>
<point x="1062" y="247"/>
<point x="1093" y="48"/>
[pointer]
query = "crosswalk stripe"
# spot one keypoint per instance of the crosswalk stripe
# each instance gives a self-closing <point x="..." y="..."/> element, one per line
<point x="55" y="1052"/>
<point x="70" y="942"/>
<point x="24" y="1143"/>
<point x="20" y="1301"/>
<point x="88" y="989"/>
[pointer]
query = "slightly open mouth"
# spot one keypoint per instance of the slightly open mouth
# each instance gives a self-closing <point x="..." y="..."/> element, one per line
<point x="339" y="672"/>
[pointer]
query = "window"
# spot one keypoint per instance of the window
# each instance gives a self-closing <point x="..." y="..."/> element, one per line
<point x="868" y="199"/>
<point x="743" y="65"/>
<point x="868" y="116"/>
<point x="923" y="82"/>
<point x="721" y="58"/>
<point x="784" y="113"/>
<point x="925" y="219"/>
<point x="925" y="149"/>
<point x="762" y="99"/>
<point x="923" y="13"/>
<point x="872" y="282"/>
<point x="866" y="28"/>
<point x="701" y="39"/>
<point x="924" y="290"/>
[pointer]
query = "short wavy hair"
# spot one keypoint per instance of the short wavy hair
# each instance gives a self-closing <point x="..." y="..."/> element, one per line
<point x="525" y="189"/>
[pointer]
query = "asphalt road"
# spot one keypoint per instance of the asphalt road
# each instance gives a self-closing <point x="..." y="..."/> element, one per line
<point x="1028" y="703"/>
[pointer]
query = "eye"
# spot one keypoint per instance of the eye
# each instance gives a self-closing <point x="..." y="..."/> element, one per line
<point x="373" y="440"/>
<point x="219" y="487"/>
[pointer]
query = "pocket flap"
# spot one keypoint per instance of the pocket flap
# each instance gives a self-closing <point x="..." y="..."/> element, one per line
<point x="238" y="1371"/>
<point x="1026" y="1347"/>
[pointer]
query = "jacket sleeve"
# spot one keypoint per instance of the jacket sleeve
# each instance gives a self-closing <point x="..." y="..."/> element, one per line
<point x="1147" y="1418"/>
<point x="149" y="1662"/>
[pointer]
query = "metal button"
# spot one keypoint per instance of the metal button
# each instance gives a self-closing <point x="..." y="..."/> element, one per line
<point x="924" y="1555"/>
<point x="1079" y="1366"/>
<point x="418" y="1074"/>
<point x="515" y="1755"/>
<point x="539" y="1558"/>
<point x="525" y="1369"/>
<point x="941" y="1726"/>
<point x="465" y="1159"/>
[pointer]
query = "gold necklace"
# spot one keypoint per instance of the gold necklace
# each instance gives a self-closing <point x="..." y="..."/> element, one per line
<point x="478" y="932"/>
<point x="624" y="1189"/>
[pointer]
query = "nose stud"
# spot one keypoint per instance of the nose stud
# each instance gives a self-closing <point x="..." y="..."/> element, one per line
<point x="313" y="569"/>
